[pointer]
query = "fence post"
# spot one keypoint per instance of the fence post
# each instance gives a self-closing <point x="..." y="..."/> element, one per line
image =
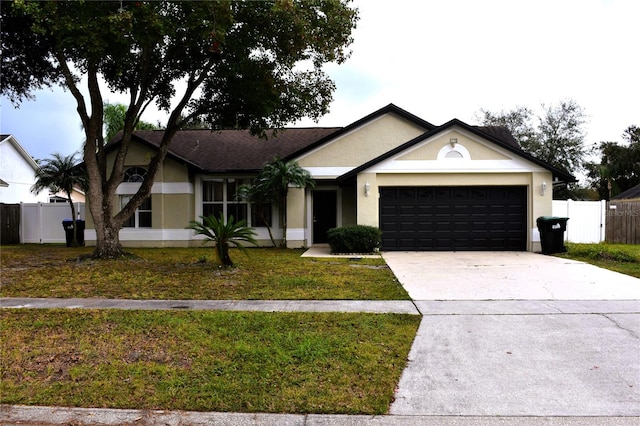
<point x="40" y="220"/>
<point x="569" y="227"/>
<point x="603" y="220"/>
<point x="21" y="230"/>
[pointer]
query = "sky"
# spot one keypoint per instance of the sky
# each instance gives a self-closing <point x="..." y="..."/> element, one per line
<point x="439" y="60"/>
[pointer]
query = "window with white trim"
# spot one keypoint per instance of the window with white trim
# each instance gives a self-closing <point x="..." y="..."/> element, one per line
<point x="219" y="196"/>
<point x="141" y="217"/>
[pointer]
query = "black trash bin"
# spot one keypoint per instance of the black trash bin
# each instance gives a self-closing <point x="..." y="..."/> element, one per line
<point x="552" y="233"/>
<point x="67" y="224"/>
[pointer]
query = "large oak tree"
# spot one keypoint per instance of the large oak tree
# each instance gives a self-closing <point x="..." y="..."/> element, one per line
<point x="619" y="166"/>
<point x="234" y="64"/>
<point x="556" y="136"/>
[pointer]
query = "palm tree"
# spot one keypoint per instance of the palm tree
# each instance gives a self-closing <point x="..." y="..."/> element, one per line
<point x="261" y="200"/>
<point x="274" y="180"/>
<point x="114" y="116"/>
<point x="223" y="234"/>
<point x="61" y="174"/>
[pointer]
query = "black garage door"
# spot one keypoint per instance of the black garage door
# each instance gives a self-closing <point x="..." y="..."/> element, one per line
<point x="453" y="218"/>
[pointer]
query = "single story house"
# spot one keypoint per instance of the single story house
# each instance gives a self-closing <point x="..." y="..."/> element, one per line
<point x="427" y="187"/>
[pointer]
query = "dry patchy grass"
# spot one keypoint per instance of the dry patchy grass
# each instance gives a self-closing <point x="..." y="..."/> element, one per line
<point x="623" y="258"/>
<point x="205" y="361"/>
<point x="192" y="273"/>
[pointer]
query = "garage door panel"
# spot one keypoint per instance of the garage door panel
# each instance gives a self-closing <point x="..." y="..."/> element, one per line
<point x="453" y="218"/>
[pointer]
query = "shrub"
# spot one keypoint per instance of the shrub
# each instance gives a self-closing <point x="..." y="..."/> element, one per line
<point x="354" y="239"/>
<point x="223" y="234"/>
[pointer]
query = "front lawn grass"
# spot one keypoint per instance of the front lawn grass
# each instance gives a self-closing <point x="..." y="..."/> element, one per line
<point x="193" y="273"/>
<point x="204" y="361"/>
<point x="623" y="258"/>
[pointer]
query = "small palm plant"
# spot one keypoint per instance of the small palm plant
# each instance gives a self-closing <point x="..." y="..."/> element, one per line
<point x="224" y="234"/>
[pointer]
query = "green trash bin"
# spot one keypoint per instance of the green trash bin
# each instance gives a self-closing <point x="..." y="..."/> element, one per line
<point x="552" y="233"/>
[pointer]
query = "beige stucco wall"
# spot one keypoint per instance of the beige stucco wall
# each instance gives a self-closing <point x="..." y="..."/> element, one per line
<point x="477" y="150"/>
<point x="349" y="209"/>
<point x="170" y="211"/>
<point x="296" y="217"/>
<point x="174" y="210"/>
<point x="169" y="171"/>
<point x="364" y="144"/>
<point x="367" y="212"/>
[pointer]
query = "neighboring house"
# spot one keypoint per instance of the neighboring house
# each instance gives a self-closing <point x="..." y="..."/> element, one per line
<point x="17" y="172"/>
<point x="77" y="196"/>
<point x="632" y="193"/>
<point x="448" y="187"/>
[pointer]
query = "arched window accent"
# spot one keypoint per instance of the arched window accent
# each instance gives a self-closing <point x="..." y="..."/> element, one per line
<point x="134" y="174"/>
<point x="456" y="152"/>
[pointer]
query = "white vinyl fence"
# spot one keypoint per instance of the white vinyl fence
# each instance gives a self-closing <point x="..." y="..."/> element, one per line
<point x="41" y="223"/>
<point x="586" y="222"/>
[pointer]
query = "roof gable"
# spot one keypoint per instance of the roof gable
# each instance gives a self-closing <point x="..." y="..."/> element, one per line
<point x="475" y="147"/>
<point x="11" y="140"/>
<point x="361" y="144"/>
<point x="374" y="116"/>
<point x="508" y="146"/>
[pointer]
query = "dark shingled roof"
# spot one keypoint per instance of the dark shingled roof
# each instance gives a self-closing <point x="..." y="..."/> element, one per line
<point x="221" y="151"/>
<point x="224" y="151"/>
<point x="234" y="150"/>
<point x="630" y="193"/>
<point x="500" y="132"/>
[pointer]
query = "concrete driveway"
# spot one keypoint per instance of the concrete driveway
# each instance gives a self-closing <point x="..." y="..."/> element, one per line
<point x="506" y="276"/>
<point x="519" y="334"/>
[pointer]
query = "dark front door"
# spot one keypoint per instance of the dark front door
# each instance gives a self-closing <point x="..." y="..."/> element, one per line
<point x="453" y="218"/>
<point x="324" y="214"/>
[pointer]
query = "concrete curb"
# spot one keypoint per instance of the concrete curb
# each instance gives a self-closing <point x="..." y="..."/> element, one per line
<point x="365" y="306"/>
<point x="11" y="415"/>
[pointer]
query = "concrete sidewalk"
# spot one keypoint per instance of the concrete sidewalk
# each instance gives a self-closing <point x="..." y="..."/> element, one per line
<point x="39" y="416"/>
<point x="366" y="306"/>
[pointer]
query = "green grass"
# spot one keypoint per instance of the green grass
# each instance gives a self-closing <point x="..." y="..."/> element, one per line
<point x="204" y="361"/>
<point x="623" y="258"/>
<point x="192" y="273"/>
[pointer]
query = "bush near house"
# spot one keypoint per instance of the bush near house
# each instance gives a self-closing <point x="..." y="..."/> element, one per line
<point x="354" y="239"/>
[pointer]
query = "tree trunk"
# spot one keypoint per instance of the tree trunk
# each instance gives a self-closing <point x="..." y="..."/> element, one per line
<point x="74" y="239"/>
<point x="223" y="254"/>
<point x="283" y="205"/>
<point x="266" y="223"/>
<point x="108" y="242"/>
